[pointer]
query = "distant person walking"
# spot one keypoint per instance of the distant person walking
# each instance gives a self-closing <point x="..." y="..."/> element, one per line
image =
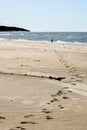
<point x="51" y="40"/>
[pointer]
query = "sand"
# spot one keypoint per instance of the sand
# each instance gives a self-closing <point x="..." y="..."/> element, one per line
<point x="43" y="86"/>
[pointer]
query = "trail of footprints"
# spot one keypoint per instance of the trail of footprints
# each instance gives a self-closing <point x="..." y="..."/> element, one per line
<point x="70" y="67"/>
<point x="67" y="65"/>
<point x="56" y="99"/>
<point x="73" y="70"/>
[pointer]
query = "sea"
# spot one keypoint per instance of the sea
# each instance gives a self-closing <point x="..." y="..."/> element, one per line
<point x="57" y="37"/>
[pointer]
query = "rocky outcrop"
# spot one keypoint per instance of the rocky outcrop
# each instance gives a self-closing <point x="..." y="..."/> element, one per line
<point x="6" y="28"/>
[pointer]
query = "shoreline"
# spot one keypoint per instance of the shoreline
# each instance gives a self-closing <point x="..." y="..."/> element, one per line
<point x="45" y="42"/>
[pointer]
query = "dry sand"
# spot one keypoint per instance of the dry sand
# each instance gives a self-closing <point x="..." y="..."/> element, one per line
<point x="43" y="86"/>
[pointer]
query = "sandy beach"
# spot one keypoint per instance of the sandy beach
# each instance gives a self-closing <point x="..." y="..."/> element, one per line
<point x="43" y="86"/>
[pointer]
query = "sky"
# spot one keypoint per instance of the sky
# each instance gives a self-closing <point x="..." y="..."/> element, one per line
<point x="45" y="15"/>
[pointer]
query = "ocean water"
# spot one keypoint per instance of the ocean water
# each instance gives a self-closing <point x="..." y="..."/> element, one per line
<point x="63" y="37"/>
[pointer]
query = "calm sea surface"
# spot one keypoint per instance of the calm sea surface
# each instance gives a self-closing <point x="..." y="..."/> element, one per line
<point x="64" y="37"/>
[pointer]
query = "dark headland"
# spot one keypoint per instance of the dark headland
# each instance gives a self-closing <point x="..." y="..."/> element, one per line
<point x="8" y="28"/>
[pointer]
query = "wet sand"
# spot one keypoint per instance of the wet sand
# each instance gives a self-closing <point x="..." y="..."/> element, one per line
<point x="43" y="86"/>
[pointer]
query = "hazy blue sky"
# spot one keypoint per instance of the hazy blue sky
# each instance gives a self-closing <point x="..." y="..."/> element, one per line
<point x="45" y="15"/>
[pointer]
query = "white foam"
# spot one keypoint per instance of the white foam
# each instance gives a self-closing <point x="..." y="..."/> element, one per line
<point x="3" y="39"/>
<point x="5" y="34"/>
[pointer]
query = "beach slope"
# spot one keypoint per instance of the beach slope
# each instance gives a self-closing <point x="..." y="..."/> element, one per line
<point x="43" y="86"/>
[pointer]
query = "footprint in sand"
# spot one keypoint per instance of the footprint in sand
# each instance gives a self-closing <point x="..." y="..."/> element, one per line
<point x="46" y="111"/>
<point x="27" y="116"/>
<point x="21" y="65"/>
<point x="28" y="122"/>
<point x="69" y="91"/>
<point x="54" y="99"/>
<point x="21" y="128"/>
<point x="61" y="107"/>
<point x="54" y="95"/>
<point x="65" y="97"/>
<point x="48" y="103"/>
<point x="49" y="117"/>
<point x="60" y="92"/>
<point x="1" y="117"/>
<point x="18" y="127"/>
<point x="67" y="66"/>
